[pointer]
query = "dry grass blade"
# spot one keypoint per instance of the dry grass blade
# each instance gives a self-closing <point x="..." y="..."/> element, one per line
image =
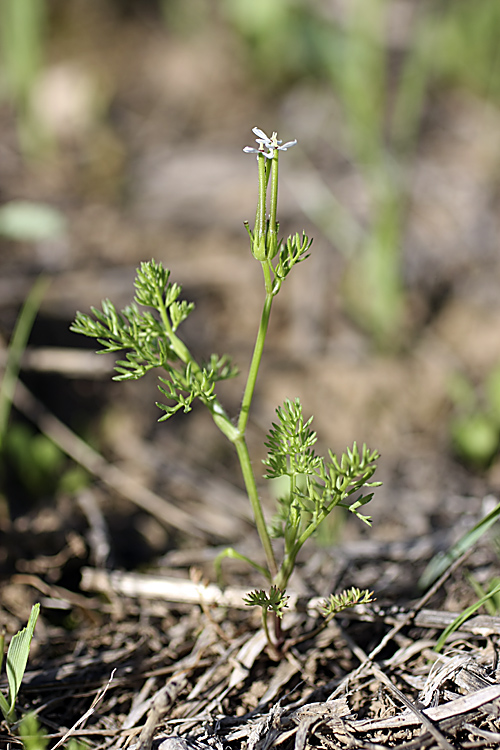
<point x="427" y="723"/>
<point x="382" y="677"/>
<point x="87" y="714"/>
<point x="453" y="709"/>
<point x="409" y="617"/>
<point x="161" y="702"/>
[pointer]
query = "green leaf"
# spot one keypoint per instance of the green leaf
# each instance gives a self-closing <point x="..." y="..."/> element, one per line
<point x="32" y="734"/>
<point x="17" y="658"/>
<point x="189" y="382"/>
<point x="290" y="443"/>
<point x="151" y="285"/>
<point x="348" y="598"/>
<point x="148" y="338"/>
<point x="293" y="251"/>
<point x="232" y="554"/>
<point x="464" y="616"/>
<point x="4" y="706"/>
<point x="441" y="562"/>
<point x="275" y="601"/>
<point x="179" y="312"/>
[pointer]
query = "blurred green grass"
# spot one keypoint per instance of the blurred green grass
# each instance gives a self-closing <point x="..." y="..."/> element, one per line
<point x="383" y="87"/>
<point x="23" y="27"/>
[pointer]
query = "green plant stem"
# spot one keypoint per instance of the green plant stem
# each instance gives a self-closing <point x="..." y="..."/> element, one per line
<point x="293" y="548"/>
<point x="255" y="363"/>
<point x="240" y="441"/>
<point x="260" y="221"/>
<point x="178" y="346"/>
<point x="273" y="646"/>
<point x="273" y="207"/>
<point x="253" y="496"/>
<point x="265" y="625"/>
<point x="286" y="568"/>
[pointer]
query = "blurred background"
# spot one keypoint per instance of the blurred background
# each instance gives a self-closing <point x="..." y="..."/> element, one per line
<point x="122" y="124"/>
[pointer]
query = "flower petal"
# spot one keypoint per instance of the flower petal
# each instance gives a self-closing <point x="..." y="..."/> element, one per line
<point x="287" y="145"/>
<point x="261" y="134"/>
<point x="272" y="144"/>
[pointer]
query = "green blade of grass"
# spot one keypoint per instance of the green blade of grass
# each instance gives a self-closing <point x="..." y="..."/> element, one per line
<point x="16" y="349"/>
<point x="442" y="561"/>
<point x="17" y="657"/>
<point x="464" y="616"/>
<point x="4" y="706"/>
<point x="23" y="26"/>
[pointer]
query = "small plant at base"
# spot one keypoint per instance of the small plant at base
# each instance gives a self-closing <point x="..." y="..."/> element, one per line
<point x="274" y="602"/>
<point x="150" y="340"/>
<point x="17" y="658"/>
<point x="32" y="735"/>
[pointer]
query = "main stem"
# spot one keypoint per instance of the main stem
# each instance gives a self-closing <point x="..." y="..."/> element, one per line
<point x="253" y="495"/>
<point x="240" y="441"/>
<point x="257" y="354"/>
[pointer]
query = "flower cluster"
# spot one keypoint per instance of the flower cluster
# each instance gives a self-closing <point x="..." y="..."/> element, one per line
<point x="272" y="143"/>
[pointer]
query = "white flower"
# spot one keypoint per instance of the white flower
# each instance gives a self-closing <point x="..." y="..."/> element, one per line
<point x="272" y="143"/>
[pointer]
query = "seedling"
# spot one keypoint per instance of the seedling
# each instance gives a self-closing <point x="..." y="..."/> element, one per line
<point x="32" y="735"/>
<point x="17" y="658"/>
<point x="150" y="340"/>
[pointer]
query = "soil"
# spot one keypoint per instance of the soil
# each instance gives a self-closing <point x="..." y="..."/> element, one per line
<point x="144" y="159"/>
